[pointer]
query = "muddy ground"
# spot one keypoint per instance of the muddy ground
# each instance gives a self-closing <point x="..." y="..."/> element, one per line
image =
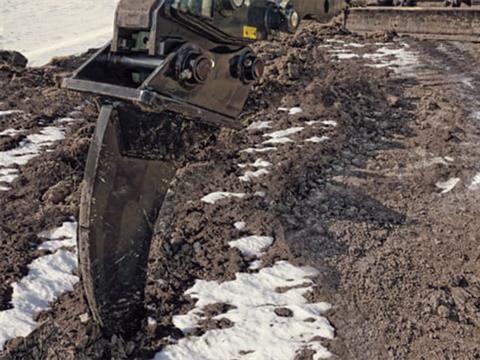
<point x="399" y="260"/>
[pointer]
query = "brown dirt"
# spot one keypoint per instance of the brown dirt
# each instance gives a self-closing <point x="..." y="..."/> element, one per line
<point x="398" y="261"/>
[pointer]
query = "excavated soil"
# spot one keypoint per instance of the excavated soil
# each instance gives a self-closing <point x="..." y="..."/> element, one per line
<point x="399" y="260"/>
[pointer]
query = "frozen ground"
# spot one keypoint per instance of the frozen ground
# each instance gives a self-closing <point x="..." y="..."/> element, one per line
<point x="43" y="29"/>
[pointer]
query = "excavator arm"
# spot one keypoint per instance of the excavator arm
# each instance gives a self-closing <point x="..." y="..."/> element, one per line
<point x="183" y="57"/>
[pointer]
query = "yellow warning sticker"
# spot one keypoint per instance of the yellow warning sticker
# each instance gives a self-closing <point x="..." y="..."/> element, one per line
<point x="250" y="32"/>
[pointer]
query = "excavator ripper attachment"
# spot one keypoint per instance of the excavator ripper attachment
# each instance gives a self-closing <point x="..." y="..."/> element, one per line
<point x="122" y="195"/>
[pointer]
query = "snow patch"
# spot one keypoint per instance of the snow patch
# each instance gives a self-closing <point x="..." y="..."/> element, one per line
<point x="10" y="112"/>
<point x="475" y="184"/>
<point x="213" y="197"/>
<point x="331" y="123"/>
<point x="48" y="277"/>
<point x="257" y="331"/>
<point x="259" y="125"/>
<point x="400" y="60"/>
<point x="8" y="175"/>
<point x="60" y="237"/>
<point x="281" y="136"/>
<point x="316" y="139"/>
<point x="250" y="175"/>
<point x="447" y="186"/>
<point x="70" y="26"/>
<point x="291" y="111"/>
<point x="259" y="150"/>
<point x="11" y="132"/>
<point x="259" y="163"/>
<point x="346" y="56"/>
<point x="255" y="265"/>
<point x="28" y="149"/>
<point x="280" y="140"/>
<point x="355" y="45"/>
<point x="283" y="133"/>
<point x="240" y="225"/>
<point x="295" y="111"/>
<point x="260" y="194"/>
<point x="252" y="245"/>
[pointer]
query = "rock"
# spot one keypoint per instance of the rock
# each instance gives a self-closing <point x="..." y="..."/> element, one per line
<point x="293" y="71"/>
<point x="13" y="58"/>
<point x="393" y="100"/>
<point x="283" y="312"/>
<point x="444" y="311"/>
<point x="84" y="318"/>
<point x="57" y="193"/>
<point x="152" y="325"/>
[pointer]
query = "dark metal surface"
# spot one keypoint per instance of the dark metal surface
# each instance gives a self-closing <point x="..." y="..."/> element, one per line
<point x="120" y="201"/>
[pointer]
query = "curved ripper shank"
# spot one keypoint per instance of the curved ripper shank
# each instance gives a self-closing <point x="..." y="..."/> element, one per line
<point x="120" y="201"/>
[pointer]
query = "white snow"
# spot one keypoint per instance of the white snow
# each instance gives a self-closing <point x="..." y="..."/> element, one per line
<point x="447" y="186"/>
<point x="260" y="194"/>
<point x="28" y="149"/>
<point x="8" y="175"/>
<point x="281" y="136"/>
<point x="291" y="111"/>
<point x="284" y="133"/>
<point x="31" y="146"/>
<point x="331" y="123"/>
<point x="10" y="132"/>
<point x="257" y="332"/>
<point x="48" y="277"/>
<point x="475" y="184"/>
<point x="9" y="112"/>
<point x="213" y="197"/>
<point x="316" y="139"/>
<point x="250" y="175"/>
<point x="59" y="238"/>
<point x="259" y="150"/>
<point x="279" y="140"/>
<point x="151" y="322"/>
<point x="255" y="265"/>
<point x="346" y="56"/>
<point x="252" y="245"/>
<point x="295" y="111"/>
<point x="259" y="125"/>
<point x="476" y="115"/>
<point x="240" y="225"/>
<point x="401" y="60"/>
<point x="43" y="29"/>
<point x="259" y="163"/>
<point x="355" y="45"/>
